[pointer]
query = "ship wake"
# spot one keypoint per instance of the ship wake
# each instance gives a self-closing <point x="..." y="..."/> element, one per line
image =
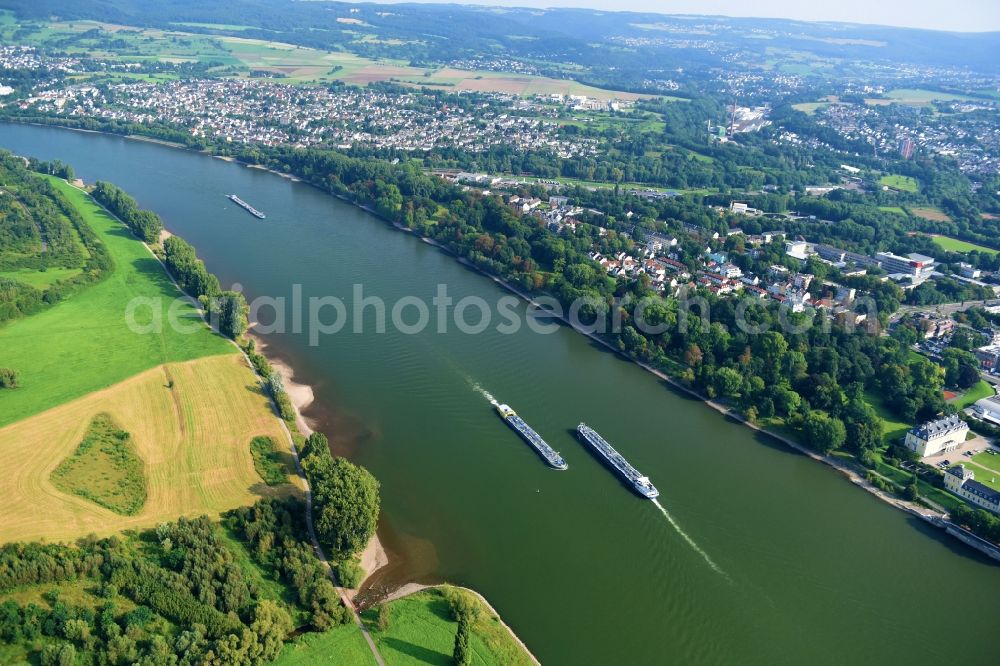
<point x="483" y="392"/>
<point x="689" y="540"/>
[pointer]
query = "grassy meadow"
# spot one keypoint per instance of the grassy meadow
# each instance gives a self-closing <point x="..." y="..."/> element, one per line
<point x="83" y="344"/>
<point x="345" y="641"/>
<point x="190" y="423"/>
<point x="104" y="469"/>
<point x="892" y="428"/>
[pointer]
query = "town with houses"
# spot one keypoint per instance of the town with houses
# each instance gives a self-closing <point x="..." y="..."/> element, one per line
<point x="268" y="113"/>
<point x="265" y="111"/>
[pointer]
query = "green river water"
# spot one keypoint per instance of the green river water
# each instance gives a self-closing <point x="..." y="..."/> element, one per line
<point x="765" y="556"/>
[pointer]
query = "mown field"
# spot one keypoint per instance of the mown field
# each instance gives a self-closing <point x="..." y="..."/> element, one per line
<point x="901" y="183"/>
<point x="191" y="424"/>
<point x="956" y="245"/>
<point x="84" y="344"/>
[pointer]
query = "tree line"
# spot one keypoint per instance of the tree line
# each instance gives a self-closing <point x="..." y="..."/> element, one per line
<point x="144" y="223"/>
<point x="193" y="600"/>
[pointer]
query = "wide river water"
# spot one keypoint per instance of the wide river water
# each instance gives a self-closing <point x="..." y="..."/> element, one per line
<point x="762" y="557"/>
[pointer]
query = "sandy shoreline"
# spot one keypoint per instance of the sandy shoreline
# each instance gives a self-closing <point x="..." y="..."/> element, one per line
<point x="374" y="556"/>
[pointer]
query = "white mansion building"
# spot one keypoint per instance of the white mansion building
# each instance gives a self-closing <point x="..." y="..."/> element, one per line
<point x="933" y="437"/>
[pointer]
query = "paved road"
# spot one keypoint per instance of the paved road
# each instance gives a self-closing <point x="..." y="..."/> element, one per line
<point x="942" y="308"/>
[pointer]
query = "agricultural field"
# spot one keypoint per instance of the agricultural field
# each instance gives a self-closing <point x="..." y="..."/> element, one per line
<point x="810" y="108"/>
<point x="239" y="56"/>
<point x="105" y="469"/>
<point x="901" y="183"/>
<point x="915" y="97"/>
<point x="481" y="81"/>
<point x="84" y="343"/>
<point x="892" y="209"/>
<point x="956" y="245"/>
<point x="191" y="424"/>
<point x="930" y="213"/>
<point x="422" y="630"/>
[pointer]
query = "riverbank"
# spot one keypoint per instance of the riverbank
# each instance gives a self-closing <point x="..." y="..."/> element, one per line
<point x="374" y="556"/>
<point x="849" y="471"/>
<point x="934" y="518"/>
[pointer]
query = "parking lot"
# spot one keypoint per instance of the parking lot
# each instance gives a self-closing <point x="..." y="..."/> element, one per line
<point x="961" y="454"/>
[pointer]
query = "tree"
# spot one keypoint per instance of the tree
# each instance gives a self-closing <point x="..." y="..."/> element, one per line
<point x="272" y="624"/>
<point x="462" y="655"/>
<point x="728" y="382"/>
<point x="346" y="501"/>
<point x="823" y="432"/>
<point x="961" y="368"/>
<point x="911" y="491"/>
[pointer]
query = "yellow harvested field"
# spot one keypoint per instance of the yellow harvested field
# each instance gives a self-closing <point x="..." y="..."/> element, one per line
<point x="194" y="440"/>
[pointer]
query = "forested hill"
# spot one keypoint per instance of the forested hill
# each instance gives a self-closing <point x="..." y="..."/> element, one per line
<point x="602" y="40"/>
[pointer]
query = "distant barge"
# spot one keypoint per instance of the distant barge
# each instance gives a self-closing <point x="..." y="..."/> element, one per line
<point x="531" y="437"/>
<point x="247" y="207"/>
<point x="641" y="484"/>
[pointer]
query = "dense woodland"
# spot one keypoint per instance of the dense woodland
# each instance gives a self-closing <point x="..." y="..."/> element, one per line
<point x="188" y="592"/>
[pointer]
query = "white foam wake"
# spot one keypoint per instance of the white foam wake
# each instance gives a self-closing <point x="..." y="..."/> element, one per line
<point x="690" y="541"/>
<point x="483" y="392"/>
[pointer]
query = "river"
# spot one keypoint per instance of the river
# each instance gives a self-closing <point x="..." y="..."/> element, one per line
<point x="764" y="556"/>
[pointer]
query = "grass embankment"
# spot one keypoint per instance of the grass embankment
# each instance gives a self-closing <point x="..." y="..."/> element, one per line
<point x="190" y="423"/>
<point x="105" y="469"/>
<point x="956" y="245"/>
<point x="979" y="391"/>
<point x="892" y="428"/>
<point x="422" y="630"/>
<point x="84" y="344"/>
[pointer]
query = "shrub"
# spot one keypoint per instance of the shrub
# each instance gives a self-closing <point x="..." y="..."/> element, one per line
<point x="9" y="378"/>
<point x="349" y="573"/>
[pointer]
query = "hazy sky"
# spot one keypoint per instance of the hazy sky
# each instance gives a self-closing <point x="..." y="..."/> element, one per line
<point x="959" y="15"/>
